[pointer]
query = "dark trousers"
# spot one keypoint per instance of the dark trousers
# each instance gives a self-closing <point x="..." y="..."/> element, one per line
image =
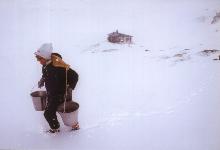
<point x="50" y="112"/>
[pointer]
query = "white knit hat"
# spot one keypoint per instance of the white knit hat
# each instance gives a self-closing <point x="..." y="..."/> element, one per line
<point x="45" y="51"/>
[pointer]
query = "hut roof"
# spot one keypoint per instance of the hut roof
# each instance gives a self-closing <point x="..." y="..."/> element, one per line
<point x="119" y="34"/>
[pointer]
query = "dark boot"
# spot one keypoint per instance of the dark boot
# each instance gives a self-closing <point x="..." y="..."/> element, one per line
<point x="53" y="131"/>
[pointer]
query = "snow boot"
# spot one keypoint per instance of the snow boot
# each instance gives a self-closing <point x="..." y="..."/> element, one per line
<point x="53" y="131"/>
<point x="75" y="127"/>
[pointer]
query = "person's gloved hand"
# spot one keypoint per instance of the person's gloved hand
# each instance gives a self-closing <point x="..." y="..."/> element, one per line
<point x="41" y="83"/>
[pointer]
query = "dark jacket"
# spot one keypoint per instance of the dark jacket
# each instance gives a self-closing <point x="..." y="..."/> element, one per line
<point x="55" y="79"/>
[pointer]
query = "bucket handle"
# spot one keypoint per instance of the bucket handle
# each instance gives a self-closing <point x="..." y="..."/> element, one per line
<point x="32" y="89"/>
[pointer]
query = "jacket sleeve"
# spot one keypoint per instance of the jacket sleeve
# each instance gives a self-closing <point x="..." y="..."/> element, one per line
<point x="72" y="78"/>
<point x="43" y="73"/>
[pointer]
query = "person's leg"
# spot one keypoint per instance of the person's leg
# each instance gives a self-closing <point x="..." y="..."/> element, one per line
<point x="50" y="113"/>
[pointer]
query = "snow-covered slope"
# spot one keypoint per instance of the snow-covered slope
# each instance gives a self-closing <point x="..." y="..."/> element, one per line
<point x="160" y="93"/>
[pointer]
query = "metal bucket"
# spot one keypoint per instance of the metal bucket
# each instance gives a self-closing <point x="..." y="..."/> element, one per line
<point x="70" y="116"/>
<point x="39" y="100"/>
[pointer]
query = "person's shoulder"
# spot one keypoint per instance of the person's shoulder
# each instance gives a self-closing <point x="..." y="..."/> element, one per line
<point x="72" y="72"/>
<point x="51" y="67"/>
<point x="60" y="69"/>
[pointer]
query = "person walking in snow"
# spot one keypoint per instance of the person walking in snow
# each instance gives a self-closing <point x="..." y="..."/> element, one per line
<point x="55" y="79"/>
<point x="72" y="79"/>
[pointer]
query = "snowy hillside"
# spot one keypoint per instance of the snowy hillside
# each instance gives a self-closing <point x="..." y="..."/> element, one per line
<point x="159" y="93"/>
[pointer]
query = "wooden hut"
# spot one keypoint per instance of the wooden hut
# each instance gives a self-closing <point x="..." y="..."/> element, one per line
<point x="116" y="37"/>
